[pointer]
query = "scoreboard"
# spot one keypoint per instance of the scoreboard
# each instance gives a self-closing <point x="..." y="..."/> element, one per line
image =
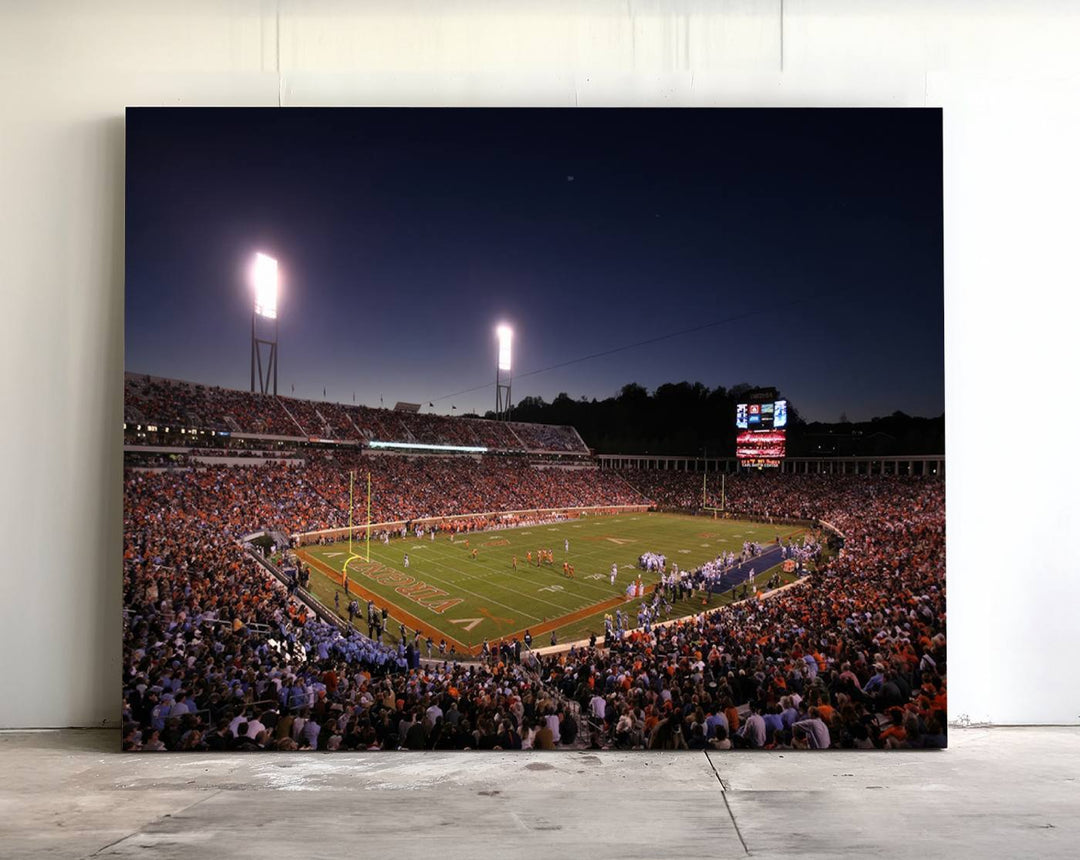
<point x="762" y="438"/>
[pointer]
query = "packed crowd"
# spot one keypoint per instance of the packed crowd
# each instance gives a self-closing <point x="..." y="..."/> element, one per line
<point x="672" y="488"/>
<point x="314" y="494"/>
<point x="546" y="437"/>
<point x="218" y="656"/>
<point x="214" y="647"/>
<point x="421" y="529"/>
<point x="207" y="632"/>
<point x="417" y="487"/>
<point x="151" y="400"/>
<point x="853" y="657"/>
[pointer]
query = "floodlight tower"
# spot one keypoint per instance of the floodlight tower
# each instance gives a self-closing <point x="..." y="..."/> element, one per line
<point x="505" y="336"/>
<point x="264" y="278"/>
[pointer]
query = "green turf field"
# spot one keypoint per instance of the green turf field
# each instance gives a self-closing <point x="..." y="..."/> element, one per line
<point x="446" y="592"/>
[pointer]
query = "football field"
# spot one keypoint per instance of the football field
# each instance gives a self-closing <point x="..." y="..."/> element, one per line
<point x="468" y="589"/>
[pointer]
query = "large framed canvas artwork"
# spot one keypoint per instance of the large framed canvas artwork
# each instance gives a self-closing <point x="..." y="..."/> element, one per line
<point x="534" y="429"/>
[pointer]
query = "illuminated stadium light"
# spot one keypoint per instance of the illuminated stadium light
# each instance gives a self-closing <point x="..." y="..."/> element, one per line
<point x="266" y="281"/>
<point x="505" y="335"/>
<point x="264" y="276"/>
<point x="420" y="446"/>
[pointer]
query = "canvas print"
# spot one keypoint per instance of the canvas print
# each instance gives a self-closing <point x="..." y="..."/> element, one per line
<point x="533" y="430"/>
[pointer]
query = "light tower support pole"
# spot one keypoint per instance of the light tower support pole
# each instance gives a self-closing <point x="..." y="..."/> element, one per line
<point x="268" y="375"/>
<point x="502" y="394"/>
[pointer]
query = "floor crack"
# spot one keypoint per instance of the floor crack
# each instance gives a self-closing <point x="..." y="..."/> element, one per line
<point x="720" y="779"/>
<point x="157" y="820"/>
<point x="734" y="823"/>
<point x="723" y="793"/>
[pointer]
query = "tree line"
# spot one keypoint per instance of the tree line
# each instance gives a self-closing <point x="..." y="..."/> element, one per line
<point x="691" y="419"/>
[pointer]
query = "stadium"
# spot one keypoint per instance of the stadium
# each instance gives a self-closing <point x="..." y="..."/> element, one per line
<point x="303" y="574"/>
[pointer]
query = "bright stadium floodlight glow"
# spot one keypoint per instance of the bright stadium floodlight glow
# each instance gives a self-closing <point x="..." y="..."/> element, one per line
<point x="264" y="276"/>
<point x="505" y="335"/>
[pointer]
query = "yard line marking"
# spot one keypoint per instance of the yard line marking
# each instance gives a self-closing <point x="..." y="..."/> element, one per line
<point x="575" y="597"/>
<point x="508" y="573"/>
<point x="428" y="576"/>
<point x="495" y="584"/>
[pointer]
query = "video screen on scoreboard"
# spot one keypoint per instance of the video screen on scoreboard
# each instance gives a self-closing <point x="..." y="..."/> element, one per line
<point x="761" y="416"/>
<point x="761" y="447"/>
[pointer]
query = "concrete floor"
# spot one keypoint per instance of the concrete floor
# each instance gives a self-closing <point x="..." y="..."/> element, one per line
<point x="994" y="793"/>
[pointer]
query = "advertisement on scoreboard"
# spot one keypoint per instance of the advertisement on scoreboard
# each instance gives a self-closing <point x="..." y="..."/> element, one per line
<point x="761" y="416"/>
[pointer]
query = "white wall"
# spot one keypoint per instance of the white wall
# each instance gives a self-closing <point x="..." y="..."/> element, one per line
<point x="1005" y="74"/>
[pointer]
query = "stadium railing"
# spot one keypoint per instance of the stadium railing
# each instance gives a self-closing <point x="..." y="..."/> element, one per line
<point x="251" y="626"/>
<point x="302" y="594"/>
<point x="829" y="527"/>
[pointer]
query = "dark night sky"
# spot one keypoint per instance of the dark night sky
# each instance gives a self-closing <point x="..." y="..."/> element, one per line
<point x="405" y="236"/>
